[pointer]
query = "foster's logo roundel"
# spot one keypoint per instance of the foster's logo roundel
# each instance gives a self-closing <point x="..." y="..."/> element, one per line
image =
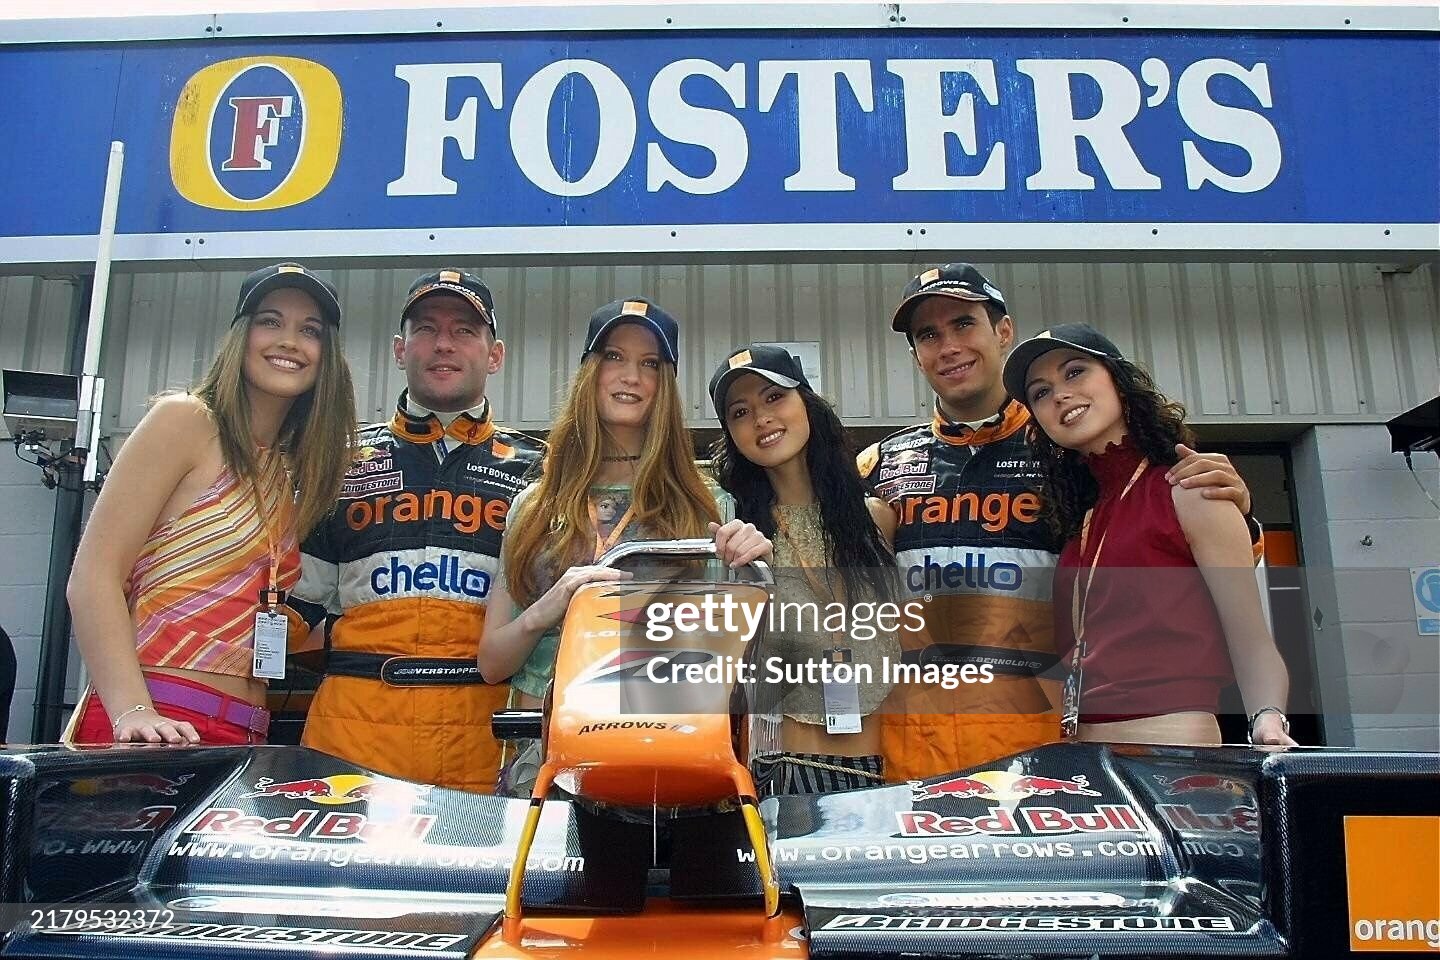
<point x="256" y="133"/>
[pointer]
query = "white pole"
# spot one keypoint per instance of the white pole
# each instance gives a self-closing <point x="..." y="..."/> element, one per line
<point x="102" y="259"/>
<point x="92" y="388"/>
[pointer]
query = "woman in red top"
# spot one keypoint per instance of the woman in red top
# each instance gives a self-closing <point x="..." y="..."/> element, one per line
<point x="1156" y="604"/>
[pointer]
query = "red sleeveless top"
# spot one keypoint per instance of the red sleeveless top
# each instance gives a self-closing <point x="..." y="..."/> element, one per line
<point x="1155" y="644"/>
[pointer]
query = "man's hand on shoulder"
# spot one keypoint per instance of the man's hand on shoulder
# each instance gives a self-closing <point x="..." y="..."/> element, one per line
<point x="1213" y="473"/>
<point x="867" y="460"/>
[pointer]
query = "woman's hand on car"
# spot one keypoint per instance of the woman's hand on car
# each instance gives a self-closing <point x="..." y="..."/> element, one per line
<point x="550" y="609"/>
<point x="738" y="542"/>
<point x="1270" y="731"/>
<point x="149" y="726"/>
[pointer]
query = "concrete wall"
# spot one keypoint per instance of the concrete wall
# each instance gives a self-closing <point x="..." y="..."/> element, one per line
<point x="1364" y="522"/>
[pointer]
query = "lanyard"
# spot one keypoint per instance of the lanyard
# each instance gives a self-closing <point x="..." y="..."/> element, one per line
<point x="1080" y="596"/>
<point x="272" y="596"/>
<point x="604" y="543"/>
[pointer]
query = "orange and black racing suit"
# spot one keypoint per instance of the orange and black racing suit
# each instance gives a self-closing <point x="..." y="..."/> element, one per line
<point x="971" y="546"/>
<point x="408" y="560"/>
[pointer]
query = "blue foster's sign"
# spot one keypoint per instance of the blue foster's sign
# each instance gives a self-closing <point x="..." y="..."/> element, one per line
<point x="726" y="141"/>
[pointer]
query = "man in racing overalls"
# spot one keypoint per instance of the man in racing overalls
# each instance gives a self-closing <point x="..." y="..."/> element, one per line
<point x="409" y="556"/>
<point x="969" y="542"/>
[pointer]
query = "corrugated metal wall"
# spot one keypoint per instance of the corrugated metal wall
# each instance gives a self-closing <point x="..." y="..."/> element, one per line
<point x="35" y="319"/>
<point x="1280" y="343"/>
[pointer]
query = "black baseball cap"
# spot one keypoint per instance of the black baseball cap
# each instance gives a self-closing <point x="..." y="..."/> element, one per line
<point x="277" y="276"/>
<point x="959" y="280"/>
<point x="467" y="286"/>
<point x="1073" y="336"/>
<point x="634" y="310"/>
<point x="775" y="364"/>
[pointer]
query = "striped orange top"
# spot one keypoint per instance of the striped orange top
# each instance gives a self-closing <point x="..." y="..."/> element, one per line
<point x="196" y="584"/>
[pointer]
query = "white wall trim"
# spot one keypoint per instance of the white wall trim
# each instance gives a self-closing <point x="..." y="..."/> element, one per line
<point x="628" y="16"/>
<point x="717" y="242"/>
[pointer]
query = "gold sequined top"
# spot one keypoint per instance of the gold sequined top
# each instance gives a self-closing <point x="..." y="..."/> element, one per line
<point x="800" y="542"/>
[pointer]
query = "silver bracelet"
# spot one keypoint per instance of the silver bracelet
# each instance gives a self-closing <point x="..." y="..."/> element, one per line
<point x="115" y="724"/>
<point x="1254" y="717"/>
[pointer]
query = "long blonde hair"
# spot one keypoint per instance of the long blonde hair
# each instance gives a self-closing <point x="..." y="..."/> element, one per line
<point x="316" y="437"/>
<point x="553" y="525"/>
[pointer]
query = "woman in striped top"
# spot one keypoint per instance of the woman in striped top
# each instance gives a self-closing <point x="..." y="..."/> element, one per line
<point x="196" y="528"/>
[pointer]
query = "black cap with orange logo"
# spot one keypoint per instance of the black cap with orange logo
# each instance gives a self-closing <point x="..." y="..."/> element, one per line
<point x="767" y="360"/>
<point x="634" y="310"/>
<point x="1062" y="336"/>
<point x="465" y="285"/>
<point x="961" y="281"/>
<point x="278" y="276"/>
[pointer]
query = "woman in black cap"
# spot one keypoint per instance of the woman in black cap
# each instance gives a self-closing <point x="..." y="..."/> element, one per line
<point x="785" y="459"/>
<point x="193" y="542"/>
<point x="620" y="466"/>
<point x="1156" y="604"/>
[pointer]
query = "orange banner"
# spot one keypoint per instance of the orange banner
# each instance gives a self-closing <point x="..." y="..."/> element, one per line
<point x="1392" y="882"/>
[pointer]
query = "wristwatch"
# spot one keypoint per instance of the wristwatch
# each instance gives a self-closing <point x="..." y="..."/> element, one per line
<point x="1257" y="532"/>
<point x="1250" y="728"/>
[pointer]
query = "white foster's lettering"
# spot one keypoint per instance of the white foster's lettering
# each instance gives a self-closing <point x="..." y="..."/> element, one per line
<point x="1246" y="129"/>
<point x="927" y="125"/>
<point x="715" y="130"/>
<point x="1060" y="130"/>
<point x="817" y="109"/>
<point x="815" y="93"/>
<point x="530" y="121"/>
<point x="427" y="127"/>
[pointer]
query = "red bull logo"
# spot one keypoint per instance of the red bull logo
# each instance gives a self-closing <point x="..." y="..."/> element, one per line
<point x="313" y="824"/>
<point x="152" y="783"/>
<point x="370" y="460"/>
<point x="73" y="817"/>
<point x="1186" y="819"/>
<point x="1000" y="786"/>
<point x="1032" y="821"/>
<point x="959" y="788"/>
<point x="342" y="789"/>
<point x="1207" y="782"/>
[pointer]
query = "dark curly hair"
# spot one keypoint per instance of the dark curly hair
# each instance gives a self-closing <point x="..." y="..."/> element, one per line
<point x="853" y="544"/>
<point x="1154" y="424"/>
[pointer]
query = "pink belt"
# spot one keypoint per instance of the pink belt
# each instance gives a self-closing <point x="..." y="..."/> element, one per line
<point x="225" y="707"/>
